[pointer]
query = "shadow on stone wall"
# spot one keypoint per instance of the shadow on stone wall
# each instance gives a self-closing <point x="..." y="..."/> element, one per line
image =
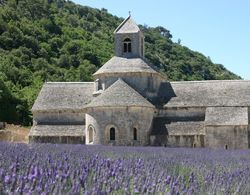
<point x="164" y="94"/>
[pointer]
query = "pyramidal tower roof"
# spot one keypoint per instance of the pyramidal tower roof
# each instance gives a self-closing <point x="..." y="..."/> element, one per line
<point x="124" y="65"/>
<point x="132" y="61"/>
<point x="127" y="26"/>
<point x="120" y="94"/>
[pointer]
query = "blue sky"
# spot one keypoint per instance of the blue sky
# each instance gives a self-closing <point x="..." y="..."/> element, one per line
<point x="219" y="29"/>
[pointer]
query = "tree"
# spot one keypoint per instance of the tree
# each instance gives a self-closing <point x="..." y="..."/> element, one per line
<point x="57" y="40"/>
<point x="64" y="61"/>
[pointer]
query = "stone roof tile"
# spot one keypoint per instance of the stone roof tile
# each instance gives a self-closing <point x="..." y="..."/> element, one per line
<point x="209" y="93"/>
<point x="186" y="128"/>
<point x="126" y="65"/>
<point x="127" y="26"/>
<point x="57" y="130"/>
<point x="119" y="94"/>
<point x="226" y="116"/>
<point x="63" y="96"/>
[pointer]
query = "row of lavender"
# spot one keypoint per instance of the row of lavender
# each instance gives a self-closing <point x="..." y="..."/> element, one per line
<point x="79" y="169"/>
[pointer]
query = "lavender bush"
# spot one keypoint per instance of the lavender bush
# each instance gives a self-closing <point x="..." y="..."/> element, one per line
<point x="79" y="169"/>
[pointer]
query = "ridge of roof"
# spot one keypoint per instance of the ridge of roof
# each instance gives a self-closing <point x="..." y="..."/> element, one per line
<point x="207" y="81"/>
<point x="52" y="83"/>
<point x="128" y="25"/>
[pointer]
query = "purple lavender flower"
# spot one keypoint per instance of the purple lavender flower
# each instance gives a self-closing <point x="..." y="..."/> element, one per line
<point x="78" y="169"/>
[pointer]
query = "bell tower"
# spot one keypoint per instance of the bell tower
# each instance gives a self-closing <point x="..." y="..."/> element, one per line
<point x="129" y="40"/>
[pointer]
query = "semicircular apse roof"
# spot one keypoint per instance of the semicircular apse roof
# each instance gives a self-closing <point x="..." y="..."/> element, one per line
<point x="120" y="94"/>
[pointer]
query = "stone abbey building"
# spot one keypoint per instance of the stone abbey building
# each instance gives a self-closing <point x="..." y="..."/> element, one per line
<point x="131" y="103"/>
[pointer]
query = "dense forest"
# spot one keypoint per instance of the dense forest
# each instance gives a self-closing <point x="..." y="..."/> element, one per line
<point x="57" y="40"/>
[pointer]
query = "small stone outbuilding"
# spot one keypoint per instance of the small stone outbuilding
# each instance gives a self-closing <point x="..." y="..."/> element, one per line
<point x="131" y="103"/>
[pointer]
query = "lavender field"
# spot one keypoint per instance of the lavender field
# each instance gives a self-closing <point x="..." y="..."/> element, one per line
<point x="79" y="169"/>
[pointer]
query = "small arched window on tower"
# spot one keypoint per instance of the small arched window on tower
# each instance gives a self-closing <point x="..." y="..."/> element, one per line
<point x="135" y="133"/>
<point x="127" y="48"/>
<point x="112" y="134"/>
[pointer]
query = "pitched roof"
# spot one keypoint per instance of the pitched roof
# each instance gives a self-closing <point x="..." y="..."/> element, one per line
<point x="226" y="116"/>
<point x="57" y="130"/>
<point x="127" y="26"/>
<point x="126" y="65"/>
<point x="56" y="96"/>
<point x="186" y="128"/>
<point x="209" y="93"/>
<point x="119" y="94"/>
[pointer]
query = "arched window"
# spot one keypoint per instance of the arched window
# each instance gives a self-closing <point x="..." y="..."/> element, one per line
<point x="135" y="133"/>
<point x="112" y="133"/>
<point x="91" y="134"/>
<point x="226" y="147"/>
<point x="127" y="48"/>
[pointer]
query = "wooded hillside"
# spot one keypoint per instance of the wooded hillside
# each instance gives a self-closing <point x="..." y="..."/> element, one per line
<point x="55" y="40"/>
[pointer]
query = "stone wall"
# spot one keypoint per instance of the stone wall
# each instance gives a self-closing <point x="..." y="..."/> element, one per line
<point x="181" y="127"/>
<point x="191" y="141"/>
<point x="228" y="137"/>
<point x="136" y="42"/>
<point x="177" y="134"/>
<point x="57" y="139"/>
<point x="58" y="118"/>
<point x="183" y="113"/>
<point x="124" y="120"/>
<point x="73" y="134"/>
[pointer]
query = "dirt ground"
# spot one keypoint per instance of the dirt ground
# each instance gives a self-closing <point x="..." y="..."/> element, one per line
<point x="14" y="133"/>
